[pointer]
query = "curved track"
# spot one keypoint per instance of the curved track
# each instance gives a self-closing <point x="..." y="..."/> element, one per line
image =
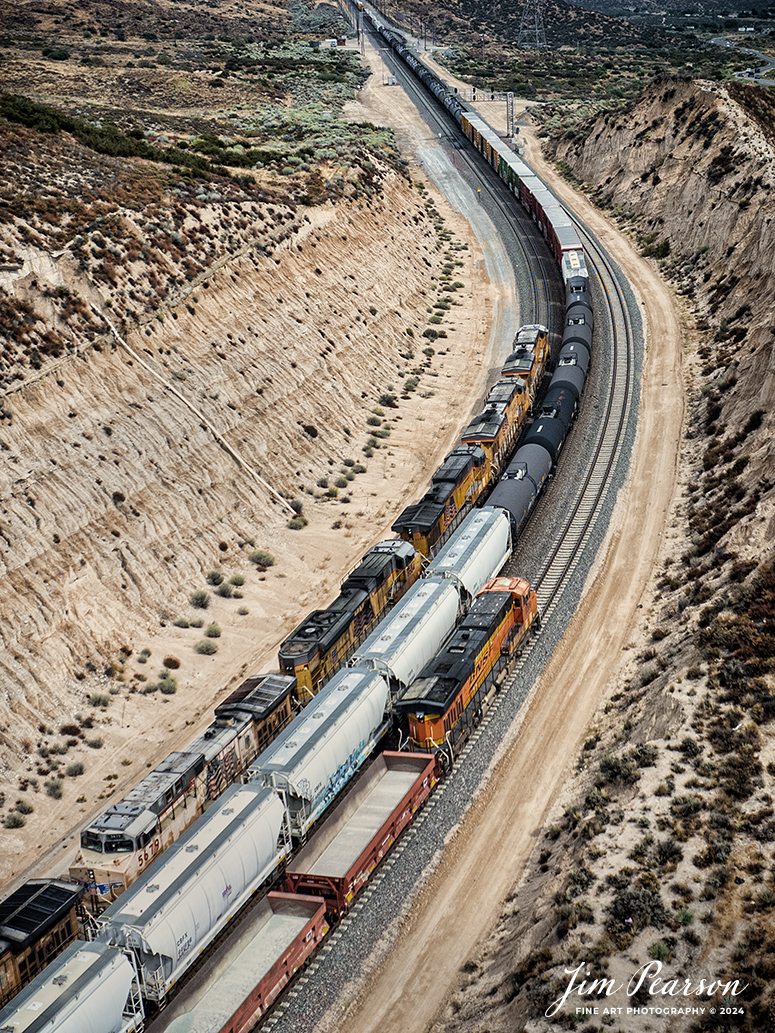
<point x="562" y="556"/>
<point x="542" y="296"/>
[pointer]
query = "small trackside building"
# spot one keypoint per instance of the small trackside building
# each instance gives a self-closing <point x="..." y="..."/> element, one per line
<point x="340" y="857"/>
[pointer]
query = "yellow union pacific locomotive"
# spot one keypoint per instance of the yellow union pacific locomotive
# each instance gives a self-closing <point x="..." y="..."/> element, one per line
<point x="325" y="639"/>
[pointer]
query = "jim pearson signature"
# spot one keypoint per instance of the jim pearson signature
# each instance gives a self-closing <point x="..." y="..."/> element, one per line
<point x="647" y="977"/>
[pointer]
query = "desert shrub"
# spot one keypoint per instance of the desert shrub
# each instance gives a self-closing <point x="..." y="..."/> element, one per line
<point x="200" y="599"/>
<point x="206" y="647"/>
<point x="94" y="744"/>
<point x="215" y="577"/>
<point x="297" y="523"/>
<point x="659" y="951"/>
<point x="23" y="807"/>
<point x="168" y="686"/>
<point x="54" y="788"/>
<point x="374" y="421"/>
<point x="97" y="700"/>
<point x="297" y="505"/>
<point x="237" y="580"/>
<point x="213" y="631"/>
<point x="262" y="558"/>
<point x="684" y="916"/>
<point x="243" y="611"/>
<point x="75" y="769"/>
<point x="15" y="821"/>
<point x="341" y="482"/>
<point x="642" y="904"/>
<point x="181" y="623"/>
<point x="171" y="663"/>
<point x="225" y="590"/>
<point x="70" y="729"/>
<point x="198" y="623"/>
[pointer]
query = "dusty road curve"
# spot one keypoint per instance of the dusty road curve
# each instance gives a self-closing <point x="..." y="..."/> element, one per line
<point x="463" y="899"/>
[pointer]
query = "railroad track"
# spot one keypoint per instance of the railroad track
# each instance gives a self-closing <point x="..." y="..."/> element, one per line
<point x="561" y="560"/>
<point x="542" y="295"/>
<point x="556" y="570"/>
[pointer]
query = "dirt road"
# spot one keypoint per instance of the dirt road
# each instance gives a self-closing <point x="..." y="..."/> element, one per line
<point x="464" y="897"/>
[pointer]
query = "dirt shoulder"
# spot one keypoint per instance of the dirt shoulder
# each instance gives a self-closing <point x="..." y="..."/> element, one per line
<point x="460" y="904"/>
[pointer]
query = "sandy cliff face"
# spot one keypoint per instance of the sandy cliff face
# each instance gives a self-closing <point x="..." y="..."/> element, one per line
<point x="116" y="499"/>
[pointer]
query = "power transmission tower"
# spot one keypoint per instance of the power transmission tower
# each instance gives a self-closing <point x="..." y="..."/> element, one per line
<point x="531" y="29"/>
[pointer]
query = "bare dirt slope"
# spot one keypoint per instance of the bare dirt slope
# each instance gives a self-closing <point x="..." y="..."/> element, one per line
<point x="117" y="501"/>
<point x="458" y="907"/>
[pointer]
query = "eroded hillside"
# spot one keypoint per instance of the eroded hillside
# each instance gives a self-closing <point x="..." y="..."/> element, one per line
<point x="326" y="324"/>
<point x="659" y="850"/>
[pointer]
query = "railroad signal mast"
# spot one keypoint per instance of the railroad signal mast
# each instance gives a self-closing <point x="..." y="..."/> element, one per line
<point x="531" y="29"/>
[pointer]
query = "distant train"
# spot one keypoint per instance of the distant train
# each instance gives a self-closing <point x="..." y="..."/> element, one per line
<point x="434" y="659"/>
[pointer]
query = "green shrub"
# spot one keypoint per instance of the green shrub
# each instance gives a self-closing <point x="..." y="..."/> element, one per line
<point x="262" y="558"/>
<point x="213" y="631"/>
<point x="225" y="590"/>
<point x="200" y="599"/>
<point x="206" y="647"/>
<point x="94" y="744"/>
<point x="73" y="770"/>
<point x="341" y="482"/>
<point x="23" y="807"/>
<point x="215" y="577"/>
<point x="349" y="462"/>
<point x="243" y="611"/>
<point x="168" y="686"/>
<point x="297" y="505"/>
<point x="15" y="821"/>
<point x="237" y="580"/>
<point x="659" y="951"/>
<point x="181" y="623"/>
<point x="359" y="469"/>
<point x="97" y="700"/>
<point x="297" y="523"/>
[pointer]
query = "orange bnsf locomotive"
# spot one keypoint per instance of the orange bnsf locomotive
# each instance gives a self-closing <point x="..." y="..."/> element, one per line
<point x="452" y="691"/>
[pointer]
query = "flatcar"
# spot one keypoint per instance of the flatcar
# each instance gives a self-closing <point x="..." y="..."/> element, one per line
<point x="446" y="701"/>
<point x="326" y="638"/>
<point x="122" y="841"/>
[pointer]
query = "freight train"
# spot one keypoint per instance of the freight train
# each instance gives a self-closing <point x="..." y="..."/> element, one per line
<point x="421" y="662"/>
